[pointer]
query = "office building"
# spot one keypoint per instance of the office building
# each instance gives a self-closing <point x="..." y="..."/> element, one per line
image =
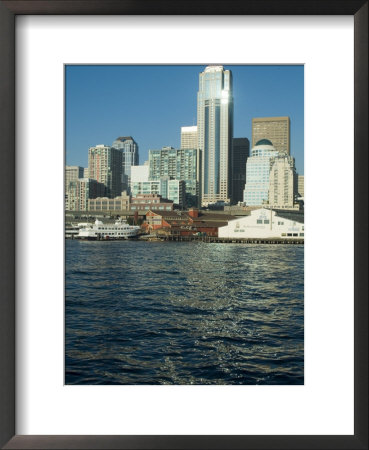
<point x="174" y="190"/>
<point x="240" y="153"/>
<point x="154" y="202"/>
<point x="80" y="191"/>
<point x="145" y="187"/>
<point x="283" y="182"/>
<point x="130" y="157"/>
<point x="189" y="137"/>
<point x="257" y="173"/>
<point x="215" y="133"/>
<point x="178" y="164"/>
<point x="72" y="174"/>
<point x="105" y="166"/>
<point x="120" y="203"/>
<point x="275" y="129"/>
<point x="301" y="186"/>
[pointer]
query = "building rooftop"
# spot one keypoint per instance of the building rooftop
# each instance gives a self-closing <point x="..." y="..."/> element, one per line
<point x="124" y="138"/>
<point x="213" y="68"/>
<point x="189" y="129"/>
<point x="296" y="216"/>
<point x="263" y="142"/>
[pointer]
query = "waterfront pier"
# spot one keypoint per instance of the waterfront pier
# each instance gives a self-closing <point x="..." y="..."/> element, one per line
<point x="219" y="240"/>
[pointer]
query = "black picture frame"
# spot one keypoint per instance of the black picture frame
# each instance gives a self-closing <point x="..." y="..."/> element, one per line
<point x="8" y="12"/>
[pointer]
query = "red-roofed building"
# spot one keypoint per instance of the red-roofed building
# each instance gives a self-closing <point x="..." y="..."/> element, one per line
<point x="181" y="223"/>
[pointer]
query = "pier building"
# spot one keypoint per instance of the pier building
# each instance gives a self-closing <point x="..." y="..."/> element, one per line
<point x="265" y="223"/>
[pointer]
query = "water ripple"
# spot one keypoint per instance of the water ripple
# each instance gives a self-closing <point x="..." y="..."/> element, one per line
<point x="183" y="313"/>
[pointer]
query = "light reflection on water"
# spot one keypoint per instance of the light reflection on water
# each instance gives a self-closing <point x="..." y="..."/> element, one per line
<point x="184" y="313"/>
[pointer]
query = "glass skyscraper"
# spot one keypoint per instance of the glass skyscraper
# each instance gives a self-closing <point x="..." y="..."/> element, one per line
<point x="215" y="133"/>
<point x="240" y="153"/>
<point x="129" y="149"/>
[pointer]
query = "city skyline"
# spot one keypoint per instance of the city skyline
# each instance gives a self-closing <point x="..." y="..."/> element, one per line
<point x="152" y="103"/>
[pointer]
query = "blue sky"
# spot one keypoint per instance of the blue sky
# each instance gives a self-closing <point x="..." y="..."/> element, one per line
<point x="151" y="103"/>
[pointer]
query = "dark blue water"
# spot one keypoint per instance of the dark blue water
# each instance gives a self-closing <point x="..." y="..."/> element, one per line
<point x="183" y="313"/>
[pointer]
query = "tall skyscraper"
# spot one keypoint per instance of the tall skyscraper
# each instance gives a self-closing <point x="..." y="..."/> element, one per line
<point x="189" y="137"/>
<point x="257" y="173"/>
<point x="130" y="157"/>
<point x="105" y="166"/>
<point x="276" y="129"/>
<point x="240" y="153"/>
<point x="283" y="182"/>
<point x="215" y="133"/>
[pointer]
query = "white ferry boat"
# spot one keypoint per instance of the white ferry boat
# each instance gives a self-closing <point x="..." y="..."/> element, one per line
<point x="119" y="230"/>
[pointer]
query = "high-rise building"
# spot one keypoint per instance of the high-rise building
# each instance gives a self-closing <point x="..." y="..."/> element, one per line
<point x="72" y="174"/>
<point x="80" y="191"/>
<point x="130" y="157"/>
<point x="178" y="164"/>
<point x="275" y="129"/>
<point x="215" y="133"/>
<point x="174" y="190"/>
<point x="301" y="185"/>
<point x="240" y="153"/>
<point x="105" y="166"/>
<point x="257" y="173"/>
<point x="189" y="137"/>
<point x="120" y="203"/>
<point x="88" y="188"/>
<point x="283" y="182"/>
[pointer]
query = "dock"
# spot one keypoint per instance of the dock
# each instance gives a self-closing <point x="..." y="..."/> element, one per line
<point x="218" y="240"/>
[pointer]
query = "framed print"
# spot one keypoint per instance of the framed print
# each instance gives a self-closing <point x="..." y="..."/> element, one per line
<point x="39" y="409"/>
